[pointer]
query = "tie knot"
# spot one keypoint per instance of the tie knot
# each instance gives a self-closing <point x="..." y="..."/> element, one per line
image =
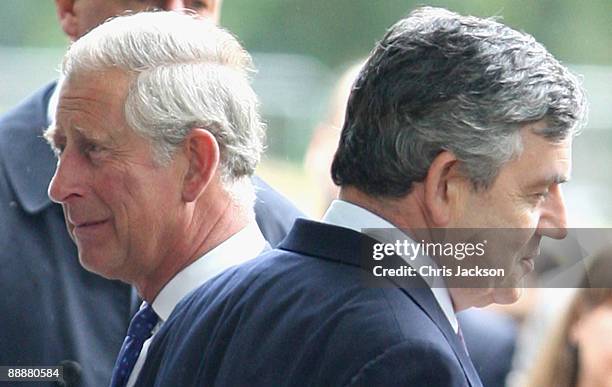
<point x="143" y="322"/>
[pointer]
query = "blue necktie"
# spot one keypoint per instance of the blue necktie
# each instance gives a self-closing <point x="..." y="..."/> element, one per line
<point x="139" y="331"/>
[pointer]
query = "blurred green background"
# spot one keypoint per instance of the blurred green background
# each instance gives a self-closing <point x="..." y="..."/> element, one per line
<point x="336" y="31"/>
<point x="301" y="47"/>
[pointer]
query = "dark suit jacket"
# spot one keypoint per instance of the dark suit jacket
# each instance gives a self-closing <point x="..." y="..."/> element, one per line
<point x="491" y="339"/>
<point x="52" y="309"/>
<point x="301" y="316"/>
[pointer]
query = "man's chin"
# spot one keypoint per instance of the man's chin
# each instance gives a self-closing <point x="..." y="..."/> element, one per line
<point x="97" y="265"/>
<point x="506" y="296"/>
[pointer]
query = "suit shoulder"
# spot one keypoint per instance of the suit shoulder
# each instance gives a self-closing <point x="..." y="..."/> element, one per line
<point x="293" y="284"/>
<point x="285" y="299"/>
<point x="227" y="286"/>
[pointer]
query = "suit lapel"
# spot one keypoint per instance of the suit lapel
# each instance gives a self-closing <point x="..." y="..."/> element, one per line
<point x="346" y="246"/>
<point x="425" y="299"/>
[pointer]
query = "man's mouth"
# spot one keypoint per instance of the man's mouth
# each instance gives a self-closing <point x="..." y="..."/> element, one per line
<point x="88" y="228"/>
<point x="87" y="224"/>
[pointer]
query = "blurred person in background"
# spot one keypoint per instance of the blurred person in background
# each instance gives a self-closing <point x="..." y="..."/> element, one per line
<point x="85" y="315"/>
<point x="557" y="275"/>
<point x="578" y="351"/>
<point x="324" y="140"/>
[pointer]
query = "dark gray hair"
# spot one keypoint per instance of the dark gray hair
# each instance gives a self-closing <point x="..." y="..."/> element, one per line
<point x="441" y="81"/>
<point x="186" y="72"/>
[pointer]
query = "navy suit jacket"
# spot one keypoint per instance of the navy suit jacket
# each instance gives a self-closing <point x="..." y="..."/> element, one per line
<point x="491" y="339"/>
<point x="51" y="308"/>
<point x="300" y="315"/>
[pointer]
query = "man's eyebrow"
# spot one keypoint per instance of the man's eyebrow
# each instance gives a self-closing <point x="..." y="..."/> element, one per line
<point x="560" y="179"/>
<point x="90" y="135"/>
<point x="549" y="180"/>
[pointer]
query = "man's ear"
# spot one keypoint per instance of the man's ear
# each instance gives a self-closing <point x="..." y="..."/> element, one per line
<point x="443" y="187"/>
<point x="202" y="153"/>
<point x="67" y="18"/>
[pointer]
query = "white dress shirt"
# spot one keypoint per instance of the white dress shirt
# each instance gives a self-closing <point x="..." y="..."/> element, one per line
<point x="239" y="248"/>
<point x="348" y="215"/>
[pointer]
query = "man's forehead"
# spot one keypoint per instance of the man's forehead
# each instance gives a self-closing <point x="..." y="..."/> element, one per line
<point x="538" y="146"/>
<point x="105" y="82"/>
<point x="542" y="160"/>
<point x="95" y="93"/>
<point x="89" y="102"/>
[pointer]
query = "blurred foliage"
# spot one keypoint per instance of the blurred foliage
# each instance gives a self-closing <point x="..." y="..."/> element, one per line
<point x="30" y="23"/>
<point x="337" y="31"/>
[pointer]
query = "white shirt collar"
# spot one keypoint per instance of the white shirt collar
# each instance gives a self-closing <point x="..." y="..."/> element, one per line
<point x="239" y="248"/>
<point x="348" y="215"/>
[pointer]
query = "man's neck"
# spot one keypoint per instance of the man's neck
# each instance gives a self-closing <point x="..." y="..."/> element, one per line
<point x="403" y="213"/>
<point x="212" y="222"/>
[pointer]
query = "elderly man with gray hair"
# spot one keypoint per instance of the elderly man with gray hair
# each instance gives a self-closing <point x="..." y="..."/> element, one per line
<point x="157" y="134"/>
<point x="454" y="123"/>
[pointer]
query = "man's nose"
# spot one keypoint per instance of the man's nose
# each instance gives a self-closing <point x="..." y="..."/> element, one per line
<point x="67" y="182"/>
<point x="553" y="218"/>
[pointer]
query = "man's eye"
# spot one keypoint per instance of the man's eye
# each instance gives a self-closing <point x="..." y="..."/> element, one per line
<point x="93" y="149"/>
<point x="541" y="195"/>
<point x="58" y="149"/>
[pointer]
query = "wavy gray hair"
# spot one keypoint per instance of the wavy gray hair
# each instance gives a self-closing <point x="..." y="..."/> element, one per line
<point x="185" y="73"/>
<point x="441" y="81"/>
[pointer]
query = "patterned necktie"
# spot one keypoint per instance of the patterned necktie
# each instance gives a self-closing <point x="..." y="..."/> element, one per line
<point x="139" y="331"/>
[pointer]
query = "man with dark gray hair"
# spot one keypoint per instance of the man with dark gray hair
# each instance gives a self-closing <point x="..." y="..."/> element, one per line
<point x="454" y="123"/>
<point x="157" y="134"/>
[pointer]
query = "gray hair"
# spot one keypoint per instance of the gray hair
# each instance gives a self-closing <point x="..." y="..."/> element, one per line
<point x="185" y="73"/>
<point x="441" y="81"/>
